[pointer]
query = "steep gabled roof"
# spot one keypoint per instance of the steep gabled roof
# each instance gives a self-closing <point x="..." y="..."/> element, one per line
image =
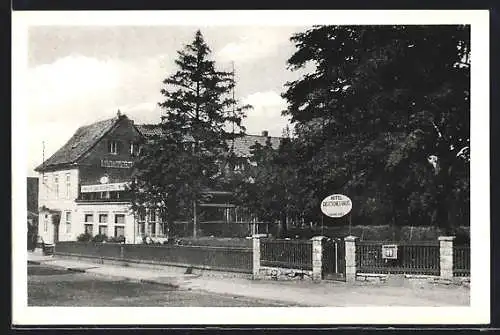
<point x="81" y="142"/>
<point x="241" y="144"/>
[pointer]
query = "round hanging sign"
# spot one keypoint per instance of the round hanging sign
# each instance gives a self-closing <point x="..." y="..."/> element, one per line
<point x="336" y="205"/>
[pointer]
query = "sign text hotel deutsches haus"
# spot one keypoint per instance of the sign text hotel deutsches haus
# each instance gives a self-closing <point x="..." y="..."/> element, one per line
<point x="116" y="164"/>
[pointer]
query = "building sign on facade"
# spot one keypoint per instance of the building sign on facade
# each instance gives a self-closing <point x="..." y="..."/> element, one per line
<point x="116" y="164"/>
<point x="103" y="187"/>
<point x="336" y="205"/>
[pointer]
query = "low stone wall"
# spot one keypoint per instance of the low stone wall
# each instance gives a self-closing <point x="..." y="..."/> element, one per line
<point x="275" y="273"/>
<point x="409" y="279"/>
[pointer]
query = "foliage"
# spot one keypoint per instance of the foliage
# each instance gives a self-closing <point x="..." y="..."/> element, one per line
<point x="384" y="118"/>
<point x="116" y="239"/>
<point x="85" y="237"/>
<point x="200" y="119"/>
<point x="100" y="238"/>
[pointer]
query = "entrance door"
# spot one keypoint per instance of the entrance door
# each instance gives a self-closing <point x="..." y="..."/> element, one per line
<point x="56" y="232"/>
<point x="333" y="259"/>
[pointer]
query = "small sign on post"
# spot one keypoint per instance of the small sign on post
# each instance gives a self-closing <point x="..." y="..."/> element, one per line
<point x="389" y="251"/>
<point x="337" y="206"/>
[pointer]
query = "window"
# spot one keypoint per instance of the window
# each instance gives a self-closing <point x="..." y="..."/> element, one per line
<point x="113" y="147"/>
<point x="68" y="186"/>
<point x="152" y="215"/>
<point x="152" y="228"/>
<point x="89" y="229"/>
<point x="103" y="218"/>
<point x="120" y="218"/>
<point x="68" y="222"/>
<point x="56" y="186"/>
<point x="119" y="231"/>
<point x="89" y="217"/>
<point x="133" y="149"/>
<point x="141" y="229"/>
<point x="142" y="215"/>
<point x="114" y="195"/>
<point x="103" y="230"/>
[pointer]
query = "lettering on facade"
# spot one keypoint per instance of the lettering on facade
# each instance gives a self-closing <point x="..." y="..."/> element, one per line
<point x="103" y="187"/>
<point x="116" y="164"/>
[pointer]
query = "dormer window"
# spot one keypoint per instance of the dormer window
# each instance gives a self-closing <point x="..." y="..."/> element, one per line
<point x="113" y="147"/>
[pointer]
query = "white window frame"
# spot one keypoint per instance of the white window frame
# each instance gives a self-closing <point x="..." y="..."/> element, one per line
<point x="106" y="228"/>
<point x="106" y="215"/>
<point x="56" y="186"/>
<point x="68" y="185"/>
<point x="113" y="147"/>
<point x="119" y="215"/>
<point x="119" y="227"/>
<point x="68" y="222"/>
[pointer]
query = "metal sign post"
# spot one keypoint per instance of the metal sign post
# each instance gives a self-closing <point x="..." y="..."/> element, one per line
<point x="350" y="224"/>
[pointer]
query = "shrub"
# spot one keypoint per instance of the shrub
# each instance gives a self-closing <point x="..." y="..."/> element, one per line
<point x="119" y="239"/>
<point x="85" y="237"/>
<point x="100" y="238"/>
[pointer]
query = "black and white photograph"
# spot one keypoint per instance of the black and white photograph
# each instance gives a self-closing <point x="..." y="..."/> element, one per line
<point x="331" y="166"/>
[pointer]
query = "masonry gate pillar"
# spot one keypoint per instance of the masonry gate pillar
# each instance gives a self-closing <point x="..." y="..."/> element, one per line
<point x="350" y="258"/>
<point x="317" y="255"/>
<point x="446" y="256"/>
<point x="256" y="256"/>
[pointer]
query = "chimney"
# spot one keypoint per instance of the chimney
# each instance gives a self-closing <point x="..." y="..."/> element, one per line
<point x="265" y="133"/>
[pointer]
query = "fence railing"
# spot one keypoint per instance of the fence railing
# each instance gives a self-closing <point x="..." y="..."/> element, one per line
<point x="205" y="257"/>
<point x="291" y="254"/>
<point x="461" y="261"/>
<point x="412" y="258"/>
<point x="95" y="249"/>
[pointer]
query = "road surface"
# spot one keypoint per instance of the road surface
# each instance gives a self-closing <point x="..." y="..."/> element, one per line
<point x="50" y="286"/>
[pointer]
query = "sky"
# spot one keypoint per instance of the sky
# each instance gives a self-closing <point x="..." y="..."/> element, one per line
<point x="78" y="75"/>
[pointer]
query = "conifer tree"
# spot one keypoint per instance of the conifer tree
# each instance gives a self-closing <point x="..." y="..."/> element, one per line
<point x="200" y="118"/>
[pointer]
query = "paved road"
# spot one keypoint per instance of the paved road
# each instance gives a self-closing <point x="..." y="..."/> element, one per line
<point x="49" y="286"/>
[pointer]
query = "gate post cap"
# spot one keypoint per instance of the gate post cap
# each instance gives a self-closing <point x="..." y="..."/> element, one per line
<point x="350" y="238"/>
<point x="318" y="238"/>
<point x="446" y="238"/>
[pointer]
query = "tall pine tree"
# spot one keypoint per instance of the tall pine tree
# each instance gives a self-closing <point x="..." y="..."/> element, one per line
<point x="200" y="118"/>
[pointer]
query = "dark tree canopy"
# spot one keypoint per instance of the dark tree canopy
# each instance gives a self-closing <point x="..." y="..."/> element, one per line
<point x="384" y="118"/>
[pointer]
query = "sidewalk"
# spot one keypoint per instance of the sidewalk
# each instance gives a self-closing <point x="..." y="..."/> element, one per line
<point x="305" y="293"/>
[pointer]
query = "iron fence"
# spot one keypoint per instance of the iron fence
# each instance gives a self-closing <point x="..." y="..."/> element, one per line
<point x="217" y="258"/>
<point x="412" y="258"/>
<point x="207" y="257"/>
<point x="94" y="249"/>
<point x="461" y="261"/>
<point x="293" y="254"/>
